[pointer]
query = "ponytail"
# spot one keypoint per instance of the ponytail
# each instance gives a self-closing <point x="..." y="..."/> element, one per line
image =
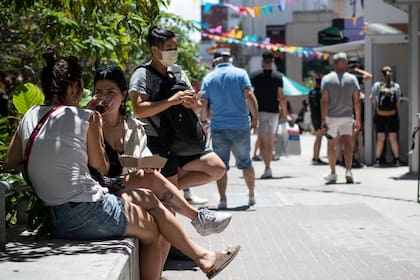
<point x="387" y="72"/>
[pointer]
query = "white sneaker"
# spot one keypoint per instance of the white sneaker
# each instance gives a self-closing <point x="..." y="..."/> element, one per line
<point x="349" y="177"/>
<point x="208" y="222"/>
<point x="267" y="174"/>
<point x="194" y="199"/>
<point x="222" y="204"/>
<point x="330" y="178"/>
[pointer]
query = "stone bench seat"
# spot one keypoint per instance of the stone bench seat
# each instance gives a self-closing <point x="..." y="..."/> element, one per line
<point x="23" y="257"/>
<point x="62" y="259"/>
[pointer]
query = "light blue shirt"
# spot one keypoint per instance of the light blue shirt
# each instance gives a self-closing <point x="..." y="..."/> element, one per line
<point x="224" y="89"/>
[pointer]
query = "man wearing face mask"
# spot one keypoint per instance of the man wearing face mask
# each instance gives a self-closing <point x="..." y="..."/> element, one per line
<point x="149" y="101"/>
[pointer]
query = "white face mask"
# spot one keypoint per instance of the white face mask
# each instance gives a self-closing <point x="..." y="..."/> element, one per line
<point x="169" y="58"/>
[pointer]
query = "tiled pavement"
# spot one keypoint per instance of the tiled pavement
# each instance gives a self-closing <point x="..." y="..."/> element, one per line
<point x="304" y="229"/>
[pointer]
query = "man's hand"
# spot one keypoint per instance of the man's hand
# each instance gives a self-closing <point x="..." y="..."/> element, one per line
<point x="192" y="101"/>
<point x="324" y="126"/>
<point x="356" y="125"/>
<point x="181" y="96"/>
<point x="254" y="123"/>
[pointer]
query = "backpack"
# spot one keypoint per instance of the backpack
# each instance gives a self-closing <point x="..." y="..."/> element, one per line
<point x="180" y="130"/>
<point x="387" y="100"/>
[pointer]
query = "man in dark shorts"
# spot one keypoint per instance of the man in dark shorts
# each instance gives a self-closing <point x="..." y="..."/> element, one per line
<point x="148" y="102"/>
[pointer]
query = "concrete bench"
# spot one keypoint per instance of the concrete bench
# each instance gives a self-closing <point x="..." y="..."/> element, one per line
<point x="23" y="257"/>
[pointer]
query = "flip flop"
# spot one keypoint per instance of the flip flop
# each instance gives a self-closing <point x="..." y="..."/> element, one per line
<point x="222" y="260"/>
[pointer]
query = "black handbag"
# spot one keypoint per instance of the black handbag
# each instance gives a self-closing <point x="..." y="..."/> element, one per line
<point x="114" y="185"/>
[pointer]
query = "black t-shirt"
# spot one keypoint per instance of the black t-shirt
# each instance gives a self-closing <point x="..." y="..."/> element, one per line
<point x="266" y="84"/>
<point x="315" y="102"/>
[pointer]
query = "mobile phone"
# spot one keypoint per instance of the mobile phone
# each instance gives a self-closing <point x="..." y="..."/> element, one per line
<point x="328" y="136"/>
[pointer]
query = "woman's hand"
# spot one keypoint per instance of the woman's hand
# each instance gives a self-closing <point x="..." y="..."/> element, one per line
<point x="151" y="170"/>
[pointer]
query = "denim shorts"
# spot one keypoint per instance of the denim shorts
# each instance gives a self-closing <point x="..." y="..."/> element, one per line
<point x="105" y="219"/>
<point x="235" y="139"/>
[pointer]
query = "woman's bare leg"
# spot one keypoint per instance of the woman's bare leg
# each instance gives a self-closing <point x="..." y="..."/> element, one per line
<point x="393" y="140"/>
<point x="380" y="140"/>
<point x="170" y="228"/>
<point x="167" y="192"/>
<point x="143" y="226"/>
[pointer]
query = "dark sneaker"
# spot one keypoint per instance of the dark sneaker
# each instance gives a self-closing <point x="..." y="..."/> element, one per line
<point x="377" y="163"/>
<point x="257" y="158"/>
<point x="356" y="164"/>
<point x="318" y="162"/>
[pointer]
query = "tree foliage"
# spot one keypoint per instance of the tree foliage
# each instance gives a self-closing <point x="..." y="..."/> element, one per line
<point x="99" y="32"/>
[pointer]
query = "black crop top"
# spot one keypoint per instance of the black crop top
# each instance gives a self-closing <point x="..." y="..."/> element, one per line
<point x="115" y="167"/>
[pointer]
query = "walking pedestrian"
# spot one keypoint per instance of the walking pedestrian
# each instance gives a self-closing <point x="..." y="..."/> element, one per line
<point x="354" y="67"/>
<point x="151" y="98"/>
<point x="229" y="91"/>
<point x="385" y="95"/>
<point x="268" y="89"/>
<point x="315" y="108"/>
<point x="340" y="94"/>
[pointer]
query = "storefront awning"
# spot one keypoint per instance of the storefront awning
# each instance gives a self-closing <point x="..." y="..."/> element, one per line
<point x="331" y="35"/>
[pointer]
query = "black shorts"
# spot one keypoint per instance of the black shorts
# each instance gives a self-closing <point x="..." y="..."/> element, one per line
<point x="316" y="122"/>
<point x="174" y="161"/>
<point x="387" y="124"/>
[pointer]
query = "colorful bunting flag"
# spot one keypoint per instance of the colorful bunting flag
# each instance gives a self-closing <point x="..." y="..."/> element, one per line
<point x="252" y="41"/>
<point x="248" y="10"/>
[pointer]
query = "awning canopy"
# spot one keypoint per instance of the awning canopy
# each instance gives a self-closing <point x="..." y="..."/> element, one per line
<point x="293" y="88"/>
<point x="331" y="35"/>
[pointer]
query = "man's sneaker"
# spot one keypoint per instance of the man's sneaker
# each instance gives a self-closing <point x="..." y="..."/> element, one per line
<point x="377" y="163"/>
<point x="267" y="174"/>
<point x="222" y="204"/>
<point x="330" y="178"/>
<point x="397" y="162"/>
<point x="194" y="199"/>
<point x="349" y="177"/>
<point x="251" y="201"/>
<point x="356" y="164"/>
<point x="318" y="162"/>
<point x="257" y="158"/>
<point x="208" y="222"/>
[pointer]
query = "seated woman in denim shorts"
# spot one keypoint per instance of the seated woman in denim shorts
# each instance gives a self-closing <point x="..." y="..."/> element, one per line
<point x="65" y="144"/>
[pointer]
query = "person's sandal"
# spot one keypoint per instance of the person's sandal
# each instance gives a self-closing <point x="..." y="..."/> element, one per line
<point x="223" y="258"/>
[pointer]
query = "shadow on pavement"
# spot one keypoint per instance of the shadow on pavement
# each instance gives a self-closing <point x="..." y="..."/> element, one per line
<point x="237" y="208"/>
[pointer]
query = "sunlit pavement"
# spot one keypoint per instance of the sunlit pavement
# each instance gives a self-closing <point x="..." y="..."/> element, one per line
<point x="302" y="228"/>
